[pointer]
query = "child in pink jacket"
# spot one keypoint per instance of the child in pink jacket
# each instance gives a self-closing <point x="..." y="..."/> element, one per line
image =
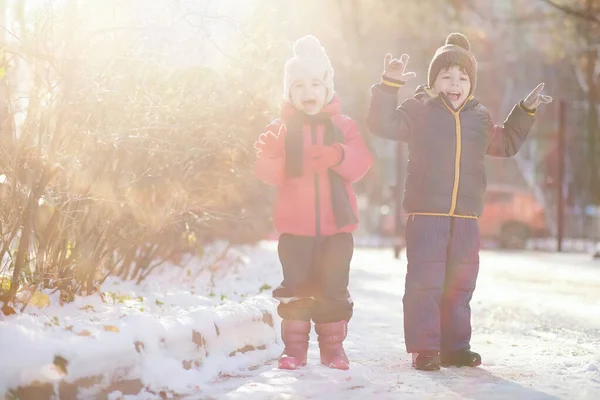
<point x="313" y="154"/>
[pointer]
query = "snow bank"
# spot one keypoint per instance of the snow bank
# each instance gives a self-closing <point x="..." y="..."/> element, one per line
<point x="161" y="336"/>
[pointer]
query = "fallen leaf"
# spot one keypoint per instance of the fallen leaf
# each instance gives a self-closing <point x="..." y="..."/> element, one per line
<point x="40" y="300"/>
<point x="84" y="333"/>
<point x="111" y="328"/>
<point x="5" y="283"/>
<point x="8" y="310"/>
<point x="61" y="364"/>
<point x="139" y="346"/>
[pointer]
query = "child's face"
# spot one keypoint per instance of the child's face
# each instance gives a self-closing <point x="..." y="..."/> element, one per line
<point x="308" y="95"/>
<point x="454" y="83"/>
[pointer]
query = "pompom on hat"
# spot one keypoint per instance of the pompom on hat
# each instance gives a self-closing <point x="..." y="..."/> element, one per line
<point x="309" y="61"/>
<point x="456" y="51"/>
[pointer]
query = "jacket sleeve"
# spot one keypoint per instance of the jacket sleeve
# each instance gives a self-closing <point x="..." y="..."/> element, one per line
<point x="271" y="170"/>
<point x="506" y="140"/>
<point x="356" y="158"/>
<point x="385" y="119"/>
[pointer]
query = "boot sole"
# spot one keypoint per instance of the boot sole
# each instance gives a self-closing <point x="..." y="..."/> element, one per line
<point x="343" y="367"/>
<point x="473" y="365"/>
<point x="289" y="364"/>
<point x="430" y="367"/>
<point x="290" y="367"/>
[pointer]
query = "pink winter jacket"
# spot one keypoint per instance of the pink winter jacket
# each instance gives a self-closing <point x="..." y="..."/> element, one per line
<point x="304" y="204"/>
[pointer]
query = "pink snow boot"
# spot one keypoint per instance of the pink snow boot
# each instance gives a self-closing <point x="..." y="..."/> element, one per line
<point x="331" y="337"/>
<point x="295" y="337"/>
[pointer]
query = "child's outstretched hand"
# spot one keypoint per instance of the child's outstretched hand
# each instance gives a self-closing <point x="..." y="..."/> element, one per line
<point x="535" y="98"/>
<point x="394" y="68"/>
<point x="268" y="145"/>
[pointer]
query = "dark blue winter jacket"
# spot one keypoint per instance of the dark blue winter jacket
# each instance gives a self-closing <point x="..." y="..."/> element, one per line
<point x="447" y="147"/>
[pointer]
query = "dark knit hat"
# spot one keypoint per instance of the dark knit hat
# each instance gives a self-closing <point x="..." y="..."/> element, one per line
<point x="456" y="51"/>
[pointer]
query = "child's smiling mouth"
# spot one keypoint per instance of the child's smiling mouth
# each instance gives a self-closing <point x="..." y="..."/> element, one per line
<point x="309" y="104"/>
<point x="453" y="95"/>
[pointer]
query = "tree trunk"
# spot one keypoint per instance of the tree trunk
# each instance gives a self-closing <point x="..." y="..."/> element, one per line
<point x="592" y="111"/>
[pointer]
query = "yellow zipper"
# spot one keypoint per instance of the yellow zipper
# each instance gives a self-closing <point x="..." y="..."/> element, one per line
<point x="458" y="152"/>
<point x="444" y="215"/>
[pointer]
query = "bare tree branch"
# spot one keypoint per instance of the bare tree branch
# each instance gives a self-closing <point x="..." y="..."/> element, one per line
<point x="573" y="11"/>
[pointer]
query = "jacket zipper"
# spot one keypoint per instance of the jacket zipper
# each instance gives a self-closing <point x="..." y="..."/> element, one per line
<point x="313" y="133"/>
<point x="456" y="115"/>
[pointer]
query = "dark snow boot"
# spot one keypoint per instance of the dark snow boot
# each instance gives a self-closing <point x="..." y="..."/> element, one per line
<point x="428" y="360"/>
<point x="460" y="358"/>
<point x="331" y="337"/>
<point x="295" y="335"/>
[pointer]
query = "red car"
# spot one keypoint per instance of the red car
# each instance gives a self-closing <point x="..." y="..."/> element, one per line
<point x="512" y="215"/>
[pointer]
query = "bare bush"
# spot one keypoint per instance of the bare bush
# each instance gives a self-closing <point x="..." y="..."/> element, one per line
<point x="122" y="160"/>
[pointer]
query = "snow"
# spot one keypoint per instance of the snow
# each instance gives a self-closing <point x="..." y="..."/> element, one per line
<point x="149" y="332"/>
<point x="536" y="322"/>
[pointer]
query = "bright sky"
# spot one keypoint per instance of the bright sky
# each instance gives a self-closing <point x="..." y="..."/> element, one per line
<point x="181" y="43"/>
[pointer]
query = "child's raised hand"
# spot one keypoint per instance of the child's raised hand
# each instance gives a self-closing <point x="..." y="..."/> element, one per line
<point x="535" y="98"/>
<point x="268" y="145"/>
<point x="394" y="68"/>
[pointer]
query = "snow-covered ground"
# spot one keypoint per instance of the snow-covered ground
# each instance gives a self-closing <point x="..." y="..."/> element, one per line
<point x="536" y="320"/>
<point x="158" y="333"/>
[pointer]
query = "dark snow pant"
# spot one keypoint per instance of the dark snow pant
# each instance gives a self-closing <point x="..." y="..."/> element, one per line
<point x="315" y="278"/>
<point x="443" y="263"/>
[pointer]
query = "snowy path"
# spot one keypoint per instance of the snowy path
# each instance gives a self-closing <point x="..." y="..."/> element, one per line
<point x="536" y="321"/>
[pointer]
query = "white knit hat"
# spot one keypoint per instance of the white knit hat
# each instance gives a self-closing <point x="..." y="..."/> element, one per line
<point x="309" y="61"/>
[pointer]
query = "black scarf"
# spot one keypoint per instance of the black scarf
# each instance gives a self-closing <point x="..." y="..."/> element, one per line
<point x="294" y="160"/>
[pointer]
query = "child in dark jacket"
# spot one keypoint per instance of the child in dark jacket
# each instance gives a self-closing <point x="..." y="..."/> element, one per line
<point x="313" y="154"/>
<point x="449" y="133"/>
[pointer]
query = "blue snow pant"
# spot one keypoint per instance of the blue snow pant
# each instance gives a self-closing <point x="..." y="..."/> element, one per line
<point x="316" y="273"/>
<point x="443" y="263"/>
